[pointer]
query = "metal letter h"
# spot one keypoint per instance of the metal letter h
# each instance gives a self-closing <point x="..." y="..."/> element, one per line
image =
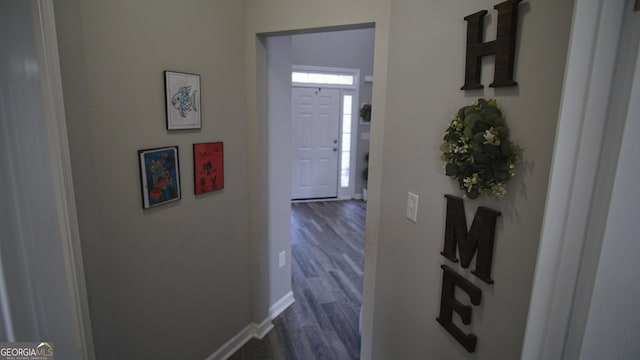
<point x="504" y="46"/>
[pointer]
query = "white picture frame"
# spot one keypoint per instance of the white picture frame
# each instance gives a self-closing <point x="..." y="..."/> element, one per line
<point x="182" y="98"/>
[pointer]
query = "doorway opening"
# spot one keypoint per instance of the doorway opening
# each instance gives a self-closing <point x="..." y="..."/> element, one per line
<point x="329" y="144"/>
<point x="314" y="286"/>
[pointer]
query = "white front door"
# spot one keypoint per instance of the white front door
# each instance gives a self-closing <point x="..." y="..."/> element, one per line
<point x="315" y="133"/>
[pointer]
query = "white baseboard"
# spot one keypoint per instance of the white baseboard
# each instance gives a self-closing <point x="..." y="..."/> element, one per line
<point x="281" y="305"/>
<point x="317" y="200"/>
<point x="259" y="331"/>
<point x="236" y="342"/>
<point x="253" y="330"/>
<point x="341" y="198"/>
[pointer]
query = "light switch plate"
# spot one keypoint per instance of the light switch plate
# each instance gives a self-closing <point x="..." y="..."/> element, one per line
<point x="282" y="258"/>
<point x="412" y="207"/>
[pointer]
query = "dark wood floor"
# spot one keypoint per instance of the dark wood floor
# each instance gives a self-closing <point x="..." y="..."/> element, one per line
<point x="327" y="246"/>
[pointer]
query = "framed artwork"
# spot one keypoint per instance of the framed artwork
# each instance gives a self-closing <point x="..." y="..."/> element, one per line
<point x="208" y="167"/>
<point x="159" y="176"/>
<point x="182" y="93"/>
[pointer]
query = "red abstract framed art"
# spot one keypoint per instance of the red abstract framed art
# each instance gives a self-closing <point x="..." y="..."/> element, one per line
<point x="208" y="167"/>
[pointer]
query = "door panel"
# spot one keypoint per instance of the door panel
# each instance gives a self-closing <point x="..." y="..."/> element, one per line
<point x="315" y="131"/>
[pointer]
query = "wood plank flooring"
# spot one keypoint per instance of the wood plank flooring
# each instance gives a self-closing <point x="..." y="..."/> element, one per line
<point x="327" y="247"/>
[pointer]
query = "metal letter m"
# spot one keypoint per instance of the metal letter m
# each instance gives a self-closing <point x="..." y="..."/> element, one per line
<point x="479" y="239"/>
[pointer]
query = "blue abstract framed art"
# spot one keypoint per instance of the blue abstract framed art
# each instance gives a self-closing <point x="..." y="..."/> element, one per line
<point x="159" y="176"/>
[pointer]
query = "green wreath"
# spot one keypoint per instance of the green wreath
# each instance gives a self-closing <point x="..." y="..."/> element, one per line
<point x="477" y="151"/>
<point x="365" y="113"/>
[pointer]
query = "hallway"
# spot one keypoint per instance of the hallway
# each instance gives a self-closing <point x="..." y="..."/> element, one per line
<point x="327" y="267"/>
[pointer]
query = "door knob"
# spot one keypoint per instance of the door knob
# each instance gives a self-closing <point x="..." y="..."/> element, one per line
<point x="335" y="149"/>
<point x="335" y="141"/>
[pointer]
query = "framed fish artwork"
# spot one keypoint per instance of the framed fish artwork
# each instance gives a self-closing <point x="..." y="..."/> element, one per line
<point x="208" y="167"/>
<point x="182" y="93"/>
<point x="159" y="176"/>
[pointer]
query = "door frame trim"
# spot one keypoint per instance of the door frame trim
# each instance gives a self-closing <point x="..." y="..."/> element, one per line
<point x="575" y="197"/>
<point x="62" y="176"/>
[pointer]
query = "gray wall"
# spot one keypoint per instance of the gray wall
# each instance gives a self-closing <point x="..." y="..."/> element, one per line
<point x="279" y="163"/>
<point x="349" y="49"/>
<point x="424" y="75"/>
<point x="177" y="275"/>
<point x="191" y="286"/>
<point x="426" y="71"/>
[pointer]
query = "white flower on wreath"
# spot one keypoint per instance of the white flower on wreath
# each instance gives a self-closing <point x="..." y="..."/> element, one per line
<point x="470" y="181"/>
<point x="490" y="137"/>
<point x="457" y="124"/>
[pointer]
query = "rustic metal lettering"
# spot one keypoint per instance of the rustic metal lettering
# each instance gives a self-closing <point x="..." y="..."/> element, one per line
<point x="449" y="304"/>
<point x="504" y="46"/>
<point x="480" y="237"/>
